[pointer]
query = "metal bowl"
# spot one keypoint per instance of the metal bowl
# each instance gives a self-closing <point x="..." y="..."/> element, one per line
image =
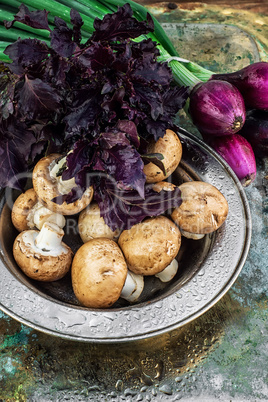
<point x="208" y="268"/>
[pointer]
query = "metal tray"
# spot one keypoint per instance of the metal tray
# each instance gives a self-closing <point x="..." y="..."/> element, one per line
<point x="208" y="268"/>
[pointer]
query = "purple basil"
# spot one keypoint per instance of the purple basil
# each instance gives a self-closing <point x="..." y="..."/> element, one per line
<point x="101" y="100"/>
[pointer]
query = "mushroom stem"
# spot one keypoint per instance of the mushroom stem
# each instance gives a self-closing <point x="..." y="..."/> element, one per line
<point x="40" y="214"/>
<point x="133" y="287"/>
<point x="49" y="237"/>
<point x="64" y="186"/>
<point x="169" y="272"/>
<point x="193" y="236"/>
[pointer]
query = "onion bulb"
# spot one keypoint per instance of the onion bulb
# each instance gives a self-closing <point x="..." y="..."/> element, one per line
<point x="217" y="108"/>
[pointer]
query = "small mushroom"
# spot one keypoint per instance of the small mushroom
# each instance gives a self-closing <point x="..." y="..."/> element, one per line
<point x="133" y="287"/>
<point x="99" y="271"/>
<point x="91" y="225"/>
<point x="48" y="184"/>
<point x="28" y="213"/>
<point x="151" y="245"/>
<point x="171" y="149"/>
<point x="169" y="272"/>
<point x="21" y="209"/>
<point x="42" y="255"/>
<point x="203" y="209"/>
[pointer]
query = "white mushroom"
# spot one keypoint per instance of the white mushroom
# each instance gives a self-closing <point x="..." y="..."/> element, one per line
<point x="42" y="255"/>
<point x="48" y="184"/>
<point x="133" y="287"/>
<point x="169" y="272"/>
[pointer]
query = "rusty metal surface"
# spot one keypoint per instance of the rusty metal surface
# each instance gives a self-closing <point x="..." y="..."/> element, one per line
<point x="220" y="356"/>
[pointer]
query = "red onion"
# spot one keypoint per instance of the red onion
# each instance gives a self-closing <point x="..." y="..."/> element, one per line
<point x="217" y="108"/>
<point x="238" y="153"/>
<point x="252" y="82"/>
<point x="255" y="130"/>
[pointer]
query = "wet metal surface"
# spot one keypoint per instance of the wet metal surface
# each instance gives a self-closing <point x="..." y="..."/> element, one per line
<point x="220" y="356"/>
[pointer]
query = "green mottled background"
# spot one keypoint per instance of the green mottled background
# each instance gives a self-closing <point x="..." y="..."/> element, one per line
<point x="222" y="355"/>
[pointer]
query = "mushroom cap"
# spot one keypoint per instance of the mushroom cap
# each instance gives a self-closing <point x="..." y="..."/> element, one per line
<point x="45" y="266"/>
<point x="99" y="271"/>
<point x="46" y="188"/>
<point x="21" y="209"/>
<point x="150" y="246"/>
<point x="91" y="225"/>
<point x="171" y="149"/>
<point x="203" y="208"/>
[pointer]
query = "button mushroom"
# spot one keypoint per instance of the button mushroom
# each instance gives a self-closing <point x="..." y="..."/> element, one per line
<point x="42" y="255"/>
<point x="48" y="184"/>
<point x="98" y="273"/>
<point x="151" y="245"/>
<point x="28" y="213"/>
<point x="203" y="209"/>
<point x="91" y="225"/>
<point x="171" y="149"/>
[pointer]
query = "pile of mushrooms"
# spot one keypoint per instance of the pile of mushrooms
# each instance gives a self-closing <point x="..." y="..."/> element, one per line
<point x="110" y="264"/>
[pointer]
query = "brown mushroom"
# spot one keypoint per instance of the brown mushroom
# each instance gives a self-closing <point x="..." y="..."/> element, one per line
<point x="150" y="246"/>
<point x="42" y="255"/>
<point x="203" y="209"/>
<point x="21" y="209"/>
<point x="171" y="149"/>
<point x="28" y="213"/>
<point x="48" y="184"/>
<point x="99" y="272"/>
<point x="91" y="225"/>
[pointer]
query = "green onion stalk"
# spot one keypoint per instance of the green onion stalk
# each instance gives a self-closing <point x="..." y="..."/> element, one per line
<point x="185" y="72"/>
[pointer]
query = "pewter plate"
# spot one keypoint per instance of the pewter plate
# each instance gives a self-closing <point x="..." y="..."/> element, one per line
<point x="207" y="269"/>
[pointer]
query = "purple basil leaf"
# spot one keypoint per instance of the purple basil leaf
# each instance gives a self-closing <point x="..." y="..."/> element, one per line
<point x="151" y="97"/>
<point x="130" y="128"/>
<point x="26" y="54"/>
<point x="156" y="129"/>
<point x="174" y="99"/>
<point x="38" y="99"/>
<point x="125" y="165"/>
<point x="56" y="71"/>
<point x="83" y="117"/>
<point x="79" y="159"/>
<point x="77" y="23"/>
<point x="148" y="69"/>
<point x="15" y="149"/>
<point x="96" y="57"/>
<point x="72" y="196"/>
<point x="121" y="25"/>
<point x="109" y="140"/>
<point x="7" y="89"/>
<point x="62" y="39"/>
<point x="123" y="209"/>
<point x="155" y="159"/>
<point x="35" y="19"/>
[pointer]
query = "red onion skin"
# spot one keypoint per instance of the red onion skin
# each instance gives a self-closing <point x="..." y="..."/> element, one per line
<point x="255" y="130"/>
<point x="252" y="82"/>
<point x="217" y="108"/>
<point x="238" y="153"/>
